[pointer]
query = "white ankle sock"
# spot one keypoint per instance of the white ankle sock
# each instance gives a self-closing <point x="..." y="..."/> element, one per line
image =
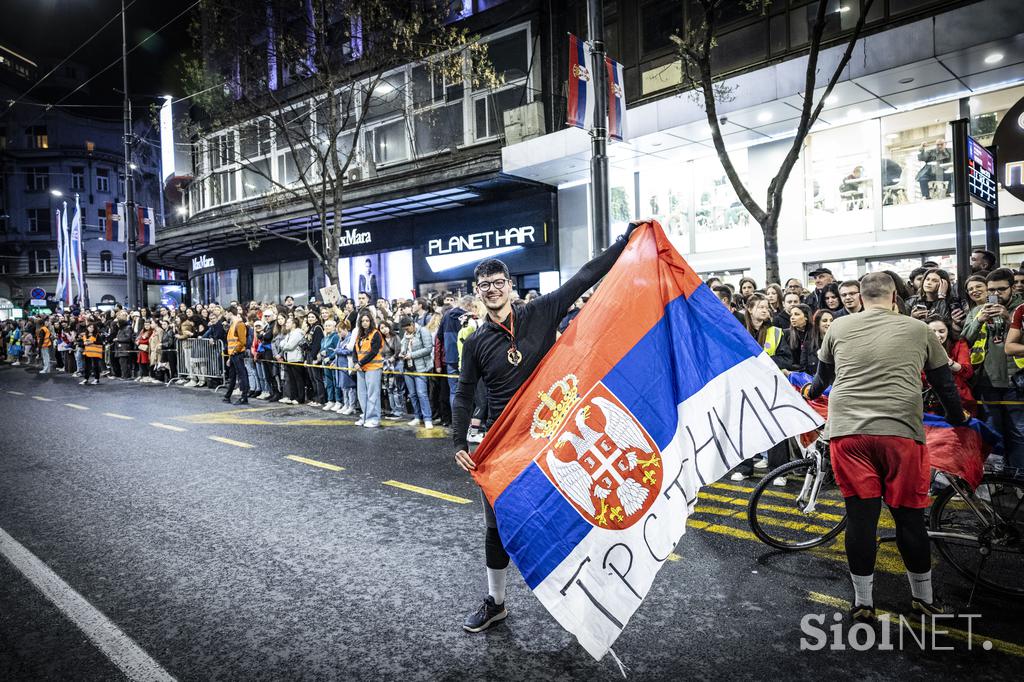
<point x="496" y="584"/>
<point x="862" y="589"/>
<point x="921" y="586"/>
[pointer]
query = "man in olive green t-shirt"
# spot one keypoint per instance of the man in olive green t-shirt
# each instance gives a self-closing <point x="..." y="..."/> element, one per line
<point x="874" y="360"/>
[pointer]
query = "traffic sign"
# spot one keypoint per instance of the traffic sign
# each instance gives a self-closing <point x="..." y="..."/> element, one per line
<point x="38" y="293"/>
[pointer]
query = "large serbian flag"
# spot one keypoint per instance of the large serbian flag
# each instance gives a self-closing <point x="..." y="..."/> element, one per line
<point x="579" y="109"/>
<point x="593" y="468"/>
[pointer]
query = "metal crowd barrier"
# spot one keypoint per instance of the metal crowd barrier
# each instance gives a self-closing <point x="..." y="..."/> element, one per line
<point x="201" y="358"/>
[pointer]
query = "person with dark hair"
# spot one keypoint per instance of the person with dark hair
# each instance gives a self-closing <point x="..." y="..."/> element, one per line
<point x="503" y="352"/>
<point x="369" y="364"/>
<point x="1018" y="282"/>
<point x="291" y="347"/>
<point x="830" y="296"/>
<point x="982" y="260"/>
<point x="798" y="336"/>
<point x="368" y="281"/>
<point x="915" y="280"/>
<point x="747" y="287"/>
<point x="237" y="343"/>
<point x="873" y="361"/>
<point x="986" y="329"/>
<point x="795" y="286"/>
<point x="934" y="298"/>
<point x="959" y="365"/>
<point x="820" y="323"/>
<point x="780" y="316"/>
<point x="769" y="337"/>
<point x="822" y="278"/>
<point x="849" y="295"/>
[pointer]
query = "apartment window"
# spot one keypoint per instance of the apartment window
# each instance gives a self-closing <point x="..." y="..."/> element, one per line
<point x="85" y="262"/>
<point x="4" y="268"/>
<point x="38" y="220"/>
<point x="78" y="178"/>
<point x="102" y="180"/>
<point x="658" y="21"/>
<point x="106" y="262"/>
<point x="38" y="261"/>
<point x="101" y="220"/>
<point x="120" y="185"/>
<point x="36" y="137"/>
<point x="3" y="139"/>
<point x="37" y="178"/>
<point x="3" y="220"/>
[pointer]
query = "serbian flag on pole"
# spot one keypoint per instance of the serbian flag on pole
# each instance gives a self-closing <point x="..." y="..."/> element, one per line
<point x="616" y="99"/>
<point x="594" y="466"/>
<point x="116" y="232"/>
<point x="580" y="105"/>
<point x="146" y="226"/>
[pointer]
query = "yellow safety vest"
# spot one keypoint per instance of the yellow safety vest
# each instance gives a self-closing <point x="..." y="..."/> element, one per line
<point x="772" y="340"/>
<point x="980" y="348"/>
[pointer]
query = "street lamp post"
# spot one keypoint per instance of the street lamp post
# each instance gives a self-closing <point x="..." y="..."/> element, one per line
<point x="129" y="203"/>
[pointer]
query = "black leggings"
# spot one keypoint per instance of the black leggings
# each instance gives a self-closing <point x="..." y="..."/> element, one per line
<point x="92" y="368"/>
<point x="296" y="382"/>
<point x="494" y="551"/>
<point x="861" y="545"/>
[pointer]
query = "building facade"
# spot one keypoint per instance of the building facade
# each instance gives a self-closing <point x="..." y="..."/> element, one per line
<point x="47" y="157"/>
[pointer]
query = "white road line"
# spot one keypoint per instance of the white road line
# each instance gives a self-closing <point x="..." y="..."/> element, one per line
<point x="122" y="651"/>
<point x="15" y="392"/>
<point x="76" y="407"/>
<point x="45" y="400"/>
<point x="167" y="426"/>
<point x="116" y="416"/>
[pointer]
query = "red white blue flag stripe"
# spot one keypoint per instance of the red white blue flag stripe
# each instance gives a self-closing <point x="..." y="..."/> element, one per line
<point x="597" y="461"/>
<point x="580" y="103"/>
<point x="616" y="99"/>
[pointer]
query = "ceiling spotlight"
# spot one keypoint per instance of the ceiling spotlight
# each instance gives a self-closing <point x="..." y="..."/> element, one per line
<point x="182" y="211"/>
<point x="765" y="116"/>
<point x="831" y="99"/>
<point x="844" y="8"/>
<point x="994" y="58"/>
<point x="56" y="193"/>
<point x="906" y="81"/>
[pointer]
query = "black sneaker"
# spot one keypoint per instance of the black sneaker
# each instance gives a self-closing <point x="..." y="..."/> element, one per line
<point x="863" y="614"/>
<point x="923" y="608"/>
<point x="488" y="615"/>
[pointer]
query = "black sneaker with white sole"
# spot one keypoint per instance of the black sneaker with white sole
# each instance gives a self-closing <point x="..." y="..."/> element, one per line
<point x="488" y="615"/>
<point x="863" y="614"/>
<point x="923" y="608"/>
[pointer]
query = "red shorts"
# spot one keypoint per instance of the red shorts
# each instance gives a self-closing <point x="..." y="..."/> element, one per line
<point x="893" y="468"/>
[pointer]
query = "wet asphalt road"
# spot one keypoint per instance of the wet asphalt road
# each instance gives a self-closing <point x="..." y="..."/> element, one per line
<point x="228" y="562"/>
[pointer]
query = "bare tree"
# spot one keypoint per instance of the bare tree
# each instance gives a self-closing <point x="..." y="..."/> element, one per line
<point x="696" y="46"/>
<point x="309" y="75"/>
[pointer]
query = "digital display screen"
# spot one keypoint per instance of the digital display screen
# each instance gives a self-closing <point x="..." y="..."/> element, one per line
<point x="386" y="275"/>
<point x="981" y="174"/>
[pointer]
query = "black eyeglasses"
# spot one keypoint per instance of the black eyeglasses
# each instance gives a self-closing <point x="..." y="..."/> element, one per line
<point x="486" y="285"/>
<point x="997" y="290"/>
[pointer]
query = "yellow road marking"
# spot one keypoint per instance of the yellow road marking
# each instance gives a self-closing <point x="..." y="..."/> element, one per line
<point x="674" y="557"/>
<point x="15" y="392"/>
<point x="885" y="521"/>
<point x="428" y="491"/>
<point x="167" y="426"/>
<point x="228" y="441"/>
<point x="76" y="407"/>
<point x="116" y="416"/>
<point x="45" y="400"/>
<point x="772" y="493"/>
<point x="974" y="637"/>
<point x="314" y="463"/>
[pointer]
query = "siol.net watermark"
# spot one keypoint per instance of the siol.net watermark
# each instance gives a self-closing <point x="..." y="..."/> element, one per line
<point x="892" y="633"/>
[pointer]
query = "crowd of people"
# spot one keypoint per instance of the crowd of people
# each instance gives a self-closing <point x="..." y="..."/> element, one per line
<point x="978" y="324"/>
<point x="393" y="359"/>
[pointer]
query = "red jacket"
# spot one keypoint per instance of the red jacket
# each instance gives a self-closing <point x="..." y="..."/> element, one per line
<point x="961" y="354"/>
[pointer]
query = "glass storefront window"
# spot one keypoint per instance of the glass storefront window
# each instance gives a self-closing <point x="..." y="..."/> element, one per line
<point x="227" y="287"/>
<point x="667" y="196"/>
<point x="721" y="222"/>
<point x="266" y="283"/>
<point x="621" y="200"/>
<point x="295" y="281"/>
<point x="841" y="171"/>
<point x="916" y="167"/>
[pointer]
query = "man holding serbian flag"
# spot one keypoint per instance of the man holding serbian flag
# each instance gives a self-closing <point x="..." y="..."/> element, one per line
<point x="605" y="437"/>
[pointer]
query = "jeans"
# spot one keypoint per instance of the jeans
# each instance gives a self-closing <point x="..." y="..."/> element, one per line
<point x="368" y="390"/>
<point x="79" y="360"/>
<point x="47" y="355"/>
<point x="1006" y="420"/>
<point x="453" y="383"/>
<point x="250" y="370"/>
<point x="417" y="388"/>
<point x="332" y="386"/>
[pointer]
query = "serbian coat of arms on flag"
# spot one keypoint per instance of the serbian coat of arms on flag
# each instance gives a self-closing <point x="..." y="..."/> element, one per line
<point x="654" y="391"/>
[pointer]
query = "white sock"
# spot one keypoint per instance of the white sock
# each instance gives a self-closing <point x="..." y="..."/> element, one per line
<point x="921" y="586"/>
<point x="862" y="589"/>
<point x="496" y="584"/>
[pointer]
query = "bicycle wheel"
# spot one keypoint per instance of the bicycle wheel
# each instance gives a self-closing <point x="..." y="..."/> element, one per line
<point x="781" y="517"/>
<point x="990" y="551"/>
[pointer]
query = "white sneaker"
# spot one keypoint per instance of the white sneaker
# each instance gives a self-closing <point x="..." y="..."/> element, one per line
<point x="328" y="407"/>
<point x="761" y="464"/>
<point x="83" y="382"/>
<point x="475" y="436"/>
<point x="737" y="476"/>
<point x="371" y="424"/>
<point x="263" y="396"/>
<point x="94" y="382"/>
<point x="346" y="410"/>
<point x="189" y="384"/>
<point x="359" y="422"/>
<point x="339" y="408"/>
<point x="428" y="424"/>
<point x="414" y="422"/>
<point x="779" y="482"/>
<point x="314" y="403"/>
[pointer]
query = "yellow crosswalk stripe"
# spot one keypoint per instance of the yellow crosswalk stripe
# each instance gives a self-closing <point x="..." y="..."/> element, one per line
<point x="73" y="406"/>
<point x="428" y="491"/>
<point x="228" y="441"/>
<point x="772" y="493"/>
<point x="314" y="463"/>
<point x="168" y="427"/>
<point x="975" y="638"/>
<point x="117" y="416"/>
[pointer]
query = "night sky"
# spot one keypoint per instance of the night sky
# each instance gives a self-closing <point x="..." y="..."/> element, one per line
<point x="46" y="31"/>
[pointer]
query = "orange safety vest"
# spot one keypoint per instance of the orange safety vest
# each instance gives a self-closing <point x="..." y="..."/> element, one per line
<point x="44" y="337"/>
<point x="363" y="347"/>
<point x="92" y="348"/>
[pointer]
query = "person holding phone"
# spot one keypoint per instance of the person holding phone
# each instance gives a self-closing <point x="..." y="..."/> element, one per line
<point x="935" y="300"/>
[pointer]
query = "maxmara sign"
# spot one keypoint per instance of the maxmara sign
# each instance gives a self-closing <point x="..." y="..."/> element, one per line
<point x="202" y="262"/>
<point x="485" y="240"/>
<point x="354" y="237"/>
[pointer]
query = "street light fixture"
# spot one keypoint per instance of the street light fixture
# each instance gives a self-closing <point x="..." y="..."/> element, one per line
<point x="56" y="193"/>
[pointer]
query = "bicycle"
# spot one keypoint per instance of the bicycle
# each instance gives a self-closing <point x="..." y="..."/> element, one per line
<point x="979" y="532"/>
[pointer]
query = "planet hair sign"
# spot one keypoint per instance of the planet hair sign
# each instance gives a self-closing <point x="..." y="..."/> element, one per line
<point x="1009" y="144"/>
